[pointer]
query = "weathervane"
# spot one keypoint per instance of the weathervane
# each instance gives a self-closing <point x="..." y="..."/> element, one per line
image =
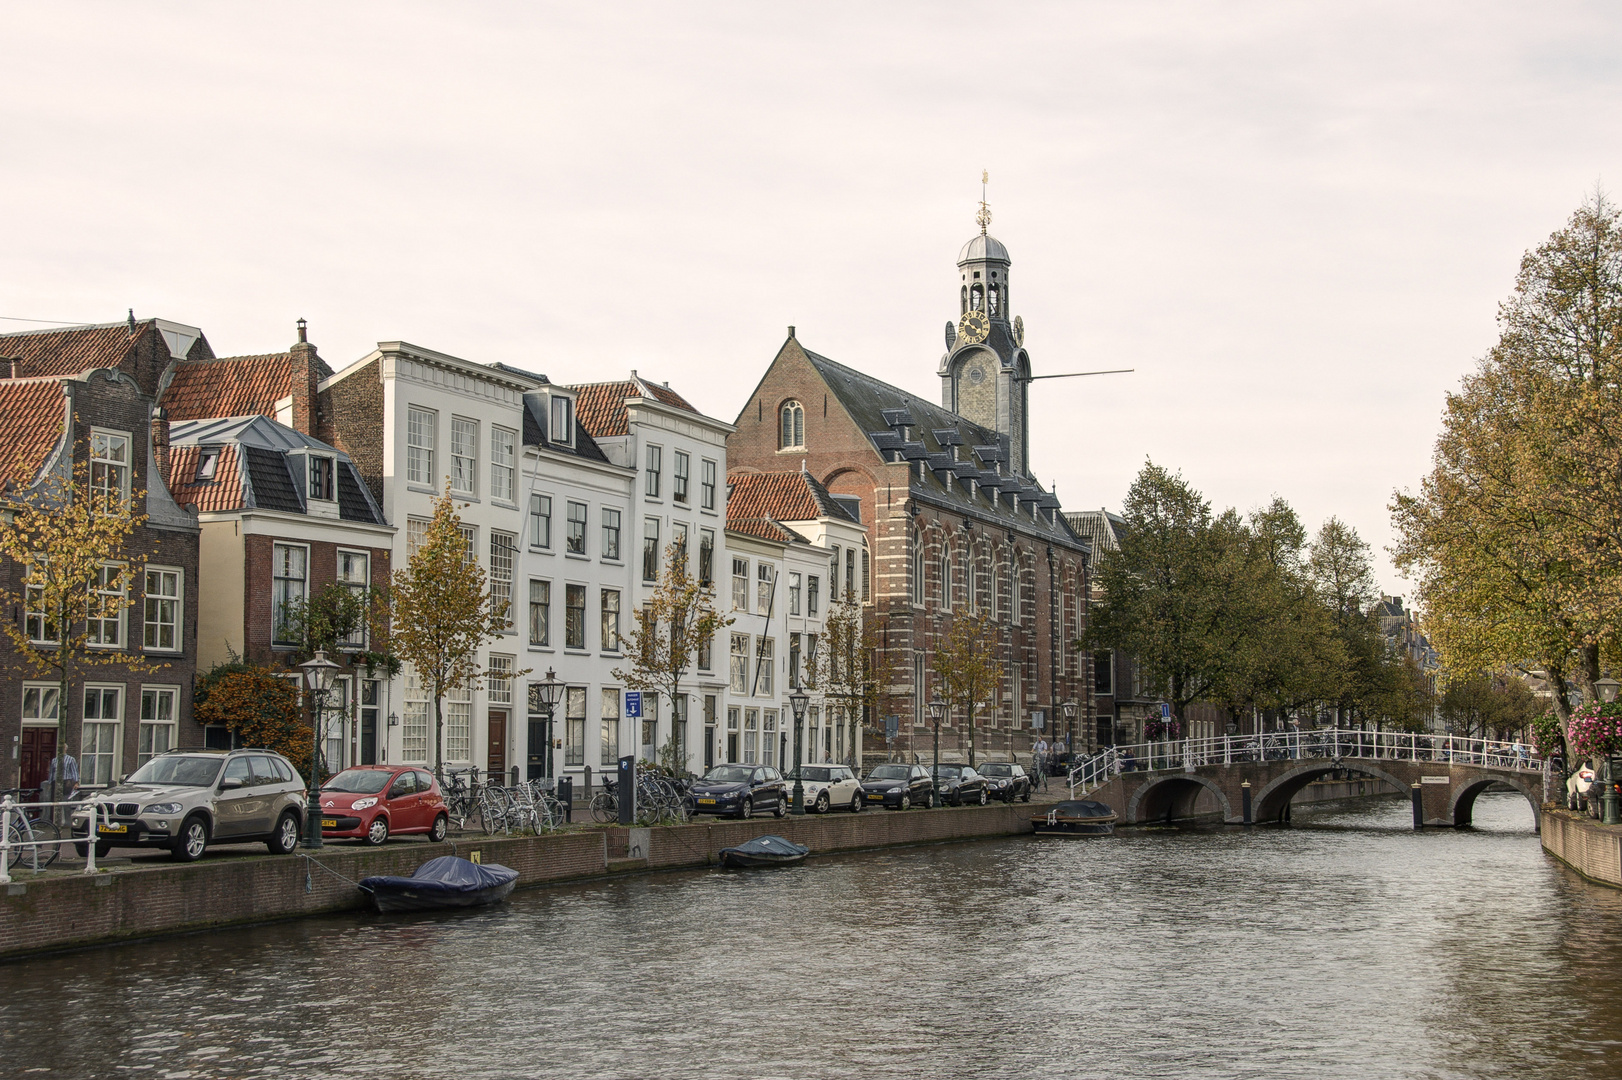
<point x="984" y="214"/>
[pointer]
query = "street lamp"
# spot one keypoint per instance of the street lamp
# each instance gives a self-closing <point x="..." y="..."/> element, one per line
<point x="937" y="713"/>
<point x="318" y="677"/>
<point x="1069" y="708"/>
<point x="543" y="699"/>
<point x="1607" y="689"/>
<point x="798" y="701"/>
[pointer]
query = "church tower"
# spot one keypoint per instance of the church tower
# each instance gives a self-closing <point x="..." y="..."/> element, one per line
<point x="985" y="374"/>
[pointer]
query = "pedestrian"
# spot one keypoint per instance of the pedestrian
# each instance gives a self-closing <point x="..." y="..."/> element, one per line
<point x="1520" y="752"/>
<point x="70" y="778"/>
<point x="1039" y="764"/>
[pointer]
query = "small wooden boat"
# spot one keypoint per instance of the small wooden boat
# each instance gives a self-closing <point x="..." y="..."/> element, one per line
<point x="1078" y="818"/>
<point x="764" y="851"/>
<point x="445" y="882"/>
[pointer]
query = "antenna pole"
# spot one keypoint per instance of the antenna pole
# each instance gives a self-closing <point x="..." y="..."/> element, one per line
<point x="1079" y="374"/>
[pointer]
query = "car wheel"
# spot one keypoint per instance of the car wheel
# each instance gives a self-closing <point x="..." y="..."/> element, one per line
<point x="285" y="838"/>
<point x="378" y="831"/>
<point x="906" y="801"/>
<point x="1027" y="796"/>
<point x="192" y="839"/>
<point x="930" y="800"/>
<point x="781" y="809"/>
<point x="442" y="826"/>
<point x="822" y="803"/>
<point x="747" y="810"/>
<point x="856" y="803"/>
<point x="983" y="798"/>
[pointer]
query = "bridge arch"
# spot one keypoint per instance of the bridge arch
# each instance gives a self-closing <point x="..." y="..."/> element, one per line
<point x="1173" y="795"/>
<point x="1462" y="804"/>
<point x="1268" y="803"/>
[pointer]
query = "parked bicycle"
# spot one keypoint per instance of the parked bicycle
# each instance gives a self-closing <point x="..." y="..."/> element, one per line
<point x="33" y="838"/>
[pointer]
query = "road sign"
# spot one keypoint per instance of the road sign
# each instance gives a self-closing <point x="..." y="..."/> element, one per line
<point x="633" y="704"/>
<point x="1165" y="710"/>
<point x="892" y="726"/>
<point x="1039" y="719"/>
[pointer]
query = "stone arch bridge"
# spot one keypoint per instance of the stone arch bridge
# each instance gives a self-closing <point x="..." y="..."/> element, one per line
<point x="1243" y="782"/>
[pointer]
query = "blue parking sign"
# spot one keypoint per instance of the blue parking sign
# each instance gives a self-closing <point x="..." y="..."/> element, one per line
<point x="633" y="704"/>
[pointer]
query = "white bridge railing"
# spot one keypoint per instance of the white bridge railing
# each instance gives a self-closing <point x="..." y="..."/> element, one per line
<point x="1331" y="743"/>
<point x="29" y="836"/>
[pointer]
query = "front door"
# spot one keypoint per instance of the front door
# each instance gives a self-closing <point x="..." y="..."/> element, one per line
<point x="368" y="722"/>
<point x="38" y="747"/>
<point x="538" y="738"/>
<point x="498" y="746"/>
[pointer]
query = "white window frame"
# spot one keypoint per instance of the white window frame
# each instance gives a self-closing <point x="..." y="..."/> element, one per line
<point x="458" y="723"/>
<point x="503" y="561"/>
<point x="102" y="631"/>
<point x="422" y="430"/>
<point x="418" y="709"/>
<point x="153" y="718"/>
<point x="279" y="601"/>
<point x="740" y="584"/>
<point x="498" y="686"/>
<point x="610" y="602"/>
<point x="655" y="459"/>
<point x="540" y="603"/>
<point x="110" y="456"/>
<point x="562" y="417"/>
<point x="584" y="521"/>
<point x="464" y="456"/>
<point x="359" y="587"/>
<point x="613" y="536"/>
<point x="99" y="766"/>
<point x="503" y="462"/>
<point x="158" y="603"/>
<point x="680" y="472"/>
<point x="540" y="522"/>
<point x="36" y="620"/>
<point x="706" y="488"/>
<point x="650" y="549"/>
<point x="45" y="712"/>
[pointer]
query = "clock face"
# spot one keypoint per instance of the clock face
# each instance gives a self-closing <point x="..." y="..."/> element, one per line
<point x="974" y="327"/>
<point x="1019" y="330"/>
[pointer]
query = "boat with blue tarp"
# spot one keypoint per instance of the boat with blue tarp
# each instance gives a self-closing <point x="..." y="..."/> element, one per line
<point x="446" y="882"/>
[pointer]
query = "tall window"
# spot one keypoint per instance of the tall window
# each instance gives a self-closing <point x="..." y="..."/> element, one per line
<point x="656" y="456"/>
<point x="499" y="683"/>
<point x="416" y="534"/>
<point x="793" y="431"/>
<point x="109" y="467"/>
<point x="458" y="723"/>
<point x="574" y="617"/>
<point x="707" y="484"/>
<point x="679" y="477"/>
<point x="917" y="589"/>
<point x="705" y="660"/>
<point x="766" y="580"/>
<point x="813" y="600"/>
<point x="420" y="426"/>
<point x="611" y="534"/>
<point x="103" y="714"/>
<point x="740" y="584"/>
<point x="611" y="620"/>
<point x="105" y="626"/>
<point x="562" y="420"/>
<point x="161" y="625"/>
<point x="793" y="592"/>
<point x="650" y="549"/>
<point x="540" y="521"/>
<point x="1103" y="673"/>
<point x="503" y="450"/>
<point x="574" y="725"/>
<point x="540" y="612"/>
<point x="470" y="542"/>
<point x="610" y="728"/>
<point x="833" y="576"/>
<point x="946" y="580"/>
<point x="414" y="729"/>
<point x="794" y="660"/>
<point x="764" y="668"/>
<point x="36" y="620"/>
<point x="739" y="671"/>
<point x="850" y="572"/>
<point x="355" y="574"/>
<point x="320" y="467"/>
<point x="867" y="591"/>
<point x="464" y="456"/>
<point x="751" y="736"/>
<point x="503" y="548"/>
<point x="768" y="738"/>
<point x="678" y="543"/>
<point x="575" y="541"/>
<point x="157" y="734"/>
<point x="706" y="556"/>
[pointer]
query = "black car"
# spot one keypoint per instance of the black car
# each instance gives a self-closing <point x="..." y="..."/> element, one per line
<point x="898" y="787"/>
<point x="744" y="790"/>
<point x="1007" y="781"/>
<point x="961" y="785"/>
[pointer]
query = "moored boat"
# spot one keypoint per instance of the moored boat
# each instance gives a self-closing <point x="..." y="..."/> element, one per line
<point x="764" y="851"/>
<point x="445" y="882"/>
<point x="1076" y="818"/>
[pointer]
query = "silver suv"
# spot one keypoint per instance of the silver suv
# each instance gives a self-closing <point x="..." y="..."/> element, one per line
<point x="185" y="800"/>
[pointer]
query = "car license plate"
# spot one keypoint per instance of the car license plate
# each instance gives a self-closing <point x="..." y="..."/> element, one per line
<point x="112" y="828"/>
<point x="875" y="795"/>
<point x="329" y="823"/>
<point x="706" y="802"/>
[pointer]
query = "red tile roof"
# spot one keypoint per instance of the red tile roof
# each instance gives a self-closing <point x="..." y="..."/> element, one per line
<point x="224" y="492"/>
<point x="230" y="386"/>
<point x="763" y="528"/>
<point x="785" y="496"/>
<point x="70" y="351"/>
<point x="31" y="412"/>
<point x="600" y="407"/>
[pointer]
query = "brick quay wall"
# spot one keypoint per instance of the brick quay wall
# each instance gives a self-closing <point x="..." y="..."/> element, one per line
<point x="1591" y="849"/>
<point x="65" y="910"/>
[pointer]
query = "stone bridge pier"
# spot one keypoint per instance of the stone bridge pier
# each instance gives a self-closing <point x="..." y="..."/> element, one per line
<point x="1256" y="792"/>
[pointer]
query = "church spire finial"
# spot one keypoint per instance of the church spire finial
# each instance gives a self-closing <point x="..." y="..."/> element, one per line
<point x="984" y="214"/>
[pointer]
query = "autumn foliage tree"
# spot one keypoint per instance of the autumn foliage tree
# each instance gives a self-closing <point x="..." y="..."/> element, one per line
<point x="968" y="666"/>
<point x="259" y="707"/>
<point x="848" y="666"/>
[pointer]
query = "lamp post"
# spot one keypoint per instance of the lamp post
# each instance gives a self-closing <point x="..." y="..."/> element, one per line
<point x="543" y="699"/>
<point x="798" y="701"/>
<point x="1607" y="689"/>
<point x="937" y="713"/>
<point x="1069" y="708"/>
<point x="318" y="677"/>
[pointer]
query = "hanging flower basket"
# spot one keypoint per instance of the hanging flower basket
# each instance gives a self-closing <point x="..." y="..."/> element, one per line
<point x="1546" y="735"/>
<point x="1157" y="730"/>
<point x="1596" y="729"/>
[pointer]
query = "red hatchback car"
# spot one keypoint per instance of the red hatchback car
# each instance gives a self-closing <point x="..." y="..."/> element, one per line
<point x="372" y="801"/>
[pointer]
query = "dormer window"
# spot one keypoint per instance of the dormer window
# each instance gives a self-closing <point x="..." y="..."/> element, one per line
<point x="208" y="464"/>
<point x="321" y="477"/>
<point x="562" y="431"/>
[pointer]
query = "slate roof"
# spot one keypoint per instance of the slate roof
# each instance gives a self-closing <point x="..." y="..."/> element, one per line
<point x="31" y="414"/>
<point x="784" y="496"/>
<point x="868" y="400"/>
<point x="231" y="386"/>
<point x="70" y="350"/>
<point x="600" y="407"/>
<point x="253" y="472"/>
<point x="535" y="421"/>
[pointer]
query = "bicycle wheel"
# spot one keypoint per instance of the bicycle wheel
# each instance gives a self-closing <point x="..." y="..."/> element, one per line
<point x="30" y="844"/>
<point x="604" y="808"/>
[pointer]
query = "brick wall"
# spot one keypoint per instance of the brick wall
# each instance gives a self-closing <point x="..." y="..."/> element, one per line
<point x="351" y="419"/>
<point x="1591" y="849"/>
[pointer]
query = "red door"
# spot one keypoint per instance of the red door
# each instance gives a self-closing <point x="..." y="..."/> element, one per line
<point x="38" y="747"/>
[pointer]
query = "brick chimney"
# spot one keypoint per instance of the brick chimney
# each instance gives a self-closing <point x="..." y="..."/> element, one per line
<point x="306" y="373"/>
<point x="160" y="443"/>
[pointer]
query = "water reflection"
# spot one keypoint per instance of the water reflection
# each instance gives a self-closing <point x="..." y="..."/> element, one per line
<point x="1345" y="946"/>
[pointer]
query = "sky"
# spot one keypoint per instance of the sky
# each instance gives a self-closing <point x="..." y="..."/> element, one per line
<point x="1293" y="221"/>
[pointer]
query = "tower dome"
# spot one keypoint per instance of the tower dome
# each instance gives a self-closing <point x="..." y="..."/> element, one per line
<point x="983" y="248"/>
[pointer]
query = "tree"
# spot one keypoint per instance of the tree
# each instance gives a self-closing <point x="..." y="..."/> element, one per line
<point x="442" y="613"/>
<point x="260" y="707"/>
<point x="335" y="614"/>
<point x="968" y="665"/>
<point x="848" y="666"/>
<point x="72" y="536"/>
<point x="678" y="619"/>
<point x="1488" y="704"/>
<point x="1515" y="536"/>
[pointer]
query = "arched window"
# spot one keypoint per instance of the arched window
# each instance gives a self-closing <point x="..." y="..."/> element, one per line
<point x="965" y="310"/>
<point x="946" y="580"/>
<point x="977" y="297"/>
<point x="993" y="298"/>
<point x="793" y="428"/>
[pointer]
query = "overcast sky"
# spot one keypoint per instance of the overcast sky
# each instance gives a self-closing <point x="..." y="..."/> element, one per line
<point x="1295" y="221"/>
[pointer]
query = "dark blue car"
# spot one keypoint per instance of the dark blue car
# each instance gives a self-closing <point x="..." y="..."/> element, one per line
<point x="740" y="790"/>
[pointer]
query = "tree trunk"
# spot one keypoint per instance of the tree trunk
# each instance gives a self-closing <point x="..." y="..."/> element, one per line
<point x="439" y="740"/>
<point x="971" y="734"/>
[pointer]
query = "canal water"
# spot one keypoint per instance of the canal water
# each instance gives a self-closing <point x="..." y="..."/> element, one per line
<point x="1345" y="945"/>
